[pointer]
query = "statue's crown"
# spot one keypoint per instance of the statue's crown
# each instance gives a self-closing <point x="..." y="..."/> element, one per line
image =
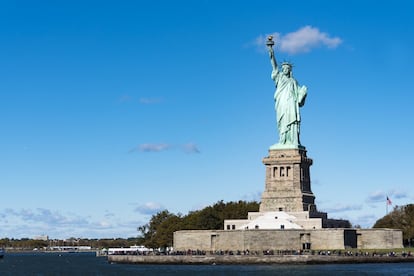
<point x="287" y="64"/>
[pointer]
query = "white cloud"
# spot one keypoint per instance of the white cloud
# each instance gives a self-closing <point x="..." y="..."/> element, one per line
<point x="381" y="196"/>
<point x="143" y="100"/>
<point x="153" y="147"/>
<point x="109" y="214"/>
<point x="27" y="223"/>
<point x="159" y="147"/>
<point x="125" y="98"/>
<point x="366" y="221"/>
<point x="149" y="208"/>
<point x="301" y="41"/>
<point x="343" y="208"/>
<point x="376" y="196"/>
<point x="44" y="216"/>
<point x="190" y="148"/>
<point x="150" y="100"/>
<point x="395" y="194"/>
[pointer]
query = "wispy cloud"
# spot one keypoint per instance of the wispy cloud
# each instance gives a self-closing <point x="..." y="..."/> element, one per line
<point x="153" y="147"/>
<point x="159" y="147"/>
<point x="125" y="98"/>
<point x="150" y="100"/>
<point x="365" y="221"/>
<point x="28" y="223"/>
<point x="143" y="100"/>
<point x="46" y="216"/>
<point x="149" y="208"/>
<point x="108" y="214"/>
<point x="396" y="194"/>
<point x="190" y="148"/>
<point x="343" y="208"/>
<point x="381" y="196"/>
<point x="303" y="40"/>
<point x="376" y="196"/>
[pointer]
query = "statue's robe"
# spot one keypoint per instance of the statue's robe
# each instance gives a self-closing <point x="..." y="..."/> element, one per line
<point x="289" y="96"/>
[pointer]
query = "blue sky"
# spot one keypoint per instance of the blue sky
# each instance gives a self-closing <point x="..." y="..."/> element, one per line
<point x="113" y="110"/>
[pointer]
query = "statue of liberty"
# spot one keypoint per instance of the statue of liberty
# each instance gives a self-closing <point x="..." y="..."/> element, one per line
<point x="289" y="97"/>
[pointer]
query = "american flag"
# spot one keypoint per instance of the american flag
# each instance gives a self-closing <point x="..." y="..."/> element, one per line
<point x="389" y="202"/>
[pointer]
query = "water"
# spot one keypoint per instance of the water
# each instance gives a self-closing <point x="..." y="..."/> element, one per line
<point x="88" y="264"/>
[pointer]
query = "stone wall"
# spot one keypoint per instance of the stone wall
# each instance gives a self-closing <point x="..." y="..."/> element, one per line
<point x="379" y="238"/>
<point x="193" y="239"/>
<point x="290" y="239"/>
<point x="327" y="239"/>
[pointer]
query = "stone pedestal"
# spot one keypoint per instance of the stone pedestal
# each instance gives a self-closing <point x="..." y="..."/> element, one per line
<point x="288" y="185"/>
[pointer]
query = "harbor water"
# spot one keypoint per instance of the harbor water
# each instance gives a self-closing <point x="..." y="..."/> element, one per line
<point x="89" y="264"/>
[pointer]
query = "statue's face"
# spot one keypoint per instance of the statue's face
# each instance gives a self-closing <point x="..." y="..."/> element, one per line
<point x="286" y="69"/>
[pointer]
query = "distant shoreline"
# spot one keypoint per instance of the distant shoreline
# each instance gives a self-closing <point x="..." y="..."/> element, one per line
<point x="253" y="260"/>
<point x="31" y="251"/>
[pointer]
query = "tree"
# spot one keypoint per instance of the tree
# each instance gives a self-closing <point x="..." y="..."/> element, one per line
<point x="164" y="236"/>
<point x="212" y="217"/>
<point x="402" y="217"/>
<point x="158" y="232"/>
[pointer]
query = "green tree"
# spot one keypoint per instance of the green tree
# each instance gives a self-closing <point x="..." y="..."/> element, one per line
<point x="155" y="233"/>
<point x="159" y="230"/>
<point x="164" y="236"/>
<point x="402" y="217"/>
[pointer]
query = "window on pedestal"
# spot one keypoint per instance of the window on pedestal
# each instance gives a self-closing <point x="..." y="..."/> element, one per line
<point x="274" y="171"/>
<point x="283" y="172"/>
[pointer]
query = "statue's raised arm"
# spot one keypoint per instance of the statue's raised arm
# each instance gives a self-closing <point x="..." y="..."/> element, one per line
<point x="270" y="44"/>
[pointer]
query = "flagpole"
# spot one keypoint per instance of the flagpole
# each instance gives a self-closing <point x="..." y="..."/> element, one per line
<point x="388" y="202"/>
<point x="386" y="207"/>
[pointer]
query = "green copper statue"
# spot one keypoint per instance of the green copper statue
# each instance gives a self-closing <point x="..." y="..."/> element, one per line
<point x="289" y="96"/>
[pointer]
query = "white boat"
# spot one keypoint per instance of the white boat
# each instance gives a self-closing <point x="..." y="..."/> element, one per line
<point x="132" y="250"/>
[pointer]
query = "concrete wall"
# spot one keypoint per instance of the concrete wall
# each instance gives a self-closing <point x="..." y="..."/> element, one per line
<point x="193" y="239"/>
<point x="272" y="239"/>
<point x="379" y="238"/>
<point x="327" y="239"/>
<point x="290" y="239"/>
<point x="313" y="223"/>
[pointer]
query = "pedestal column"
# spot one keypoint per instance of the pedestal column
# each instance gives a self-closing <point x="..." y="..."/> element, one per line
<point x="288" y="185"/>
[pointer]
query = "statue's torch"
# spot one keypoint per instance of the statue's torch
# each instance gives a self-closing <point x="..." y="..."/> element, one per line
<point x="270" y="42"/>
